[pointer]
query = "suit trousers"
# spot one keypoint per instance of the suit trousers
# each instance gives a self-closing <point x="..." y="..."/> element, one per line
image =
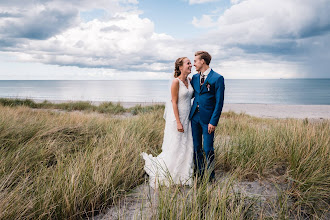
<point x="203" y="147"/>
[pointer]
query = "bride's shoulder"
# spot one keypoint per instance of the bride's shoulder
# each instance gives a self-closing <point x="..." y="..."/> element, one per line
<point x="175" y="81"/>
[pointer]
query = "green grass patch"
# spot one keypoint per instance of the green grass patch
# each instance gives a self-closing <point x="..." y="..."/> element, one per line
<point x="109" y="107"/>
<point x="138" y="109"/>
<point x="104" y="107"/>
<point x="18" y="102"/>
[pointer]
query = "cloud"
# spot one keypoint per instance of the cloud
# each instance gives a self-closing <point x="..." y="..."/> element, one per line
<point x="126" y="43"/>
<point x="113" y="28"/>
<point x="249" y="39"/>
<point x="267" y="25"/>
<point x="51" y="32"/>
<point x="236" y="1"/>
<point x="40" y="24"/>
<point x="291" y="31"/>
<point x="315" y="56"/>
<point x="270" y="21"/>
<point x="42" y="19"/>
<point x="109" y="5"/>
<point x="8" y="15"/>
<point x="205" y="22"/>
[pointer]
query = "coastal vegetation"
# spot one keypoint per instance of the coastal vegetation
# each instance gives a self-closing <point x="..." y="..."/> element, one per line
<point x="73" y="164"/>
<point x="86" y="106"/>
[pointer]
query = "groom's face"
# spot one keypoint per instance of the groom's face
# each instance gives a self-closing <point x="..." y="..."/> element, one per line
<point x="198" y="63"/>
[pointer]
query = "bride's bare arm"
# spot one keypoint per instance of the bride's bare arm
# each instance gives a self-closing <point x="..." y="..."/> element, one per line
<point x="175" y="97"/>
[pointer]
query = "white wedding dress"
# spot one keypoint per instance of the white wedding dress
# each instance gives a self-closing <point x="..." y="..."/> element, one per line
<point x="174" y="165"/>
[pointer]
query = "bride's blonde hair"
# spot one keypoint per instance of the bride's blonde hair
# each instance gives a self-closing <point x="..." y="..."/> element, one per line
<point x="178" y="63"/>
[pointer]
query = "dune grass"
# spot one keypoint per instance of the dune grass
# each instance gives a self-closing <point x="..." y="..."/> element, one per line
<point x="19" y="102"/>
<point x="68" y="165"/>
<point x="289" y="152"/>
<point x="203" y="201"/>
<point x="296" y="152"/>
<point x="104" y="107"/>
<point x="73" y="165"/>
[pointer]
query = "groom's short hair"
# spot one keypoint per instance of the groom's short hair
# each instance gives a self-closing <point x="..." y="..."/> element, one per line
<point x="205" y="56"/>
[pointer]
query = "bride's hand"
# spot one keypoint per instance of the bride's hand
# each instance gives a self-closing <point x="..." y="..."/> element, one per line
<point x="180" y="127"/>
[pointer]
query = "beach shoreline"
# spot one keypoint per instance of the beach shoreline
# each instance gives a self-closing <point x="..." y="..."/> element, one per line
<point x="257" y="110"/>
<point x="281" y="111"/>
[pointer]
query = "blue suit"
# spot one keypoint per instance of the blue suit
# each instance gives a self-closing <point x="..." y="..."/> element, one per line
<point x="206" y="109"/>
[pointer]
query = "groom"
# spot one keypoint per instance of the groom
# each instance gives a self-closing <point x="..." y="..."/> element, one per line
<point x="205" y="112"/>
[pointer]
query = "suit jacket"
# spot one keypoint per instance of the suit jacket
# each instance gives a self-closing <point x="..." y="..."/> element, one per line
<point x="209" y="97"/>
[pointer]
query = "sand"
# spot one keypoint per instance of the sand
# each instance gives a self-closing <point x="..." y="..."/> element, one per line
<point x="268" y="110"/>
<point x="281" y="111"/>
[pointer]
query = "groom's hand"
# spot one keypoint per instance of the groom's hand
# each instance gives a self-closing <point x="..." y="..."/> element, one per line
<point x="210" y="129"/>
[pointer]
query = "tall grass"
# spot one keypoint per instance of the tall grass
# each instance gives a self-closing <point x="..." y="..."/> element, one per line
<point x="69" y="165"/>
<point x="203" y="201"/>
<point x="74" y="165"/>
<point x="287" y="150"/>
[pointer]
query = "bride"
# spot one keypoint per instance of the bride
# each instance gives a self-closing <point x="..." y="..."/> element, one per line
<point x="174" y="165"/>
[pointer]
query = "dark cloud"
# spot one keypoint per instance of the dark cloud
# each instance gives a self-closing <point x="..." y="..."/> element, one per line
<point x="8" y="44"/>
<point x="289" y="47"/>
<point x="315" y="30"/>
<point x="9" y="15"/>
<point x="111" y="63"/>
<point x="316" y="59"/>
<point x="40" y="26"/>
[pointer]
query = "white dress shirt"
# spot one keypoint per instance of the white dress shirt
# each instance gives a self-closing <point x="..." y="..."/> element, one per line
<point x="206" y="73"/>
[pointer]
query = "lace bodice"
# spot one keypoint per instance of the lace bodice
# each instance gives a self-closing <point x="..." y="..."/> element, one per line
<point x="185" y="94"/>
<point x="184" y="102"/>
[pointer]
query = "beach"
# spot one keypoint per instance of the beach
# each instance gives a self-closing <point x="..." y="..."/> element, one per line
<point x="269" y="110"/>
<point x="281" y="111"/>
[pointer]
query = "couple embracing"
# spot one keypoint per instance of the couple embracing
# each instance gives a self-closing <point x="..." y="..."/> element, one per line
<point x="187" y="148"/>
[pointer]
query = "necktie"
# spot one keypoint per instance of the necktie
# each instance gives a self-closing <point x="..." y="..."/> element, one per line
<point x="202" y="79"/>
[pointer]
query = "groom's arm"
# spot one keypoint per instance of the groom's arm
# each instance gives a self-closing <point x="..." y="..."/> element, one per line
<point x="219" y="97"/>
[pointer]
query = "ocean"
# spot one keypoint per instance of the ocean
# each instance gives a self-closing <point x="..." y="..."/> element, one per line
<point x="265" y="91"/>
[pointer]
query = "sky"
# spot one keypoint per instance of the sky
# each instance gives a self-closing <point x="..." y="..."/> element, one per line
<point x="141" y="39"/>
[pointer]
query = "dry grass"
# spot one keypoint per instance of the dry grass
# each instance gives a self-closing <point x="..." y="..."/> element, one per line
<point x="69" y="165"/>
<point x="74" y="165"/>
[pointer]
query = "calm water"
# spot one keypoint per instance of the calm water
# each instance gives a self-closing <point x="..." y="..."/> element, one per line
<point x="270" y="91"/>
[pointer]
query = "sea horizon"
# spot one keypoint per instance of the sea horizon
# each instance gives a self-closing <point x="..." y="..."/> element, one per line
<point x="298" y="91"/>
